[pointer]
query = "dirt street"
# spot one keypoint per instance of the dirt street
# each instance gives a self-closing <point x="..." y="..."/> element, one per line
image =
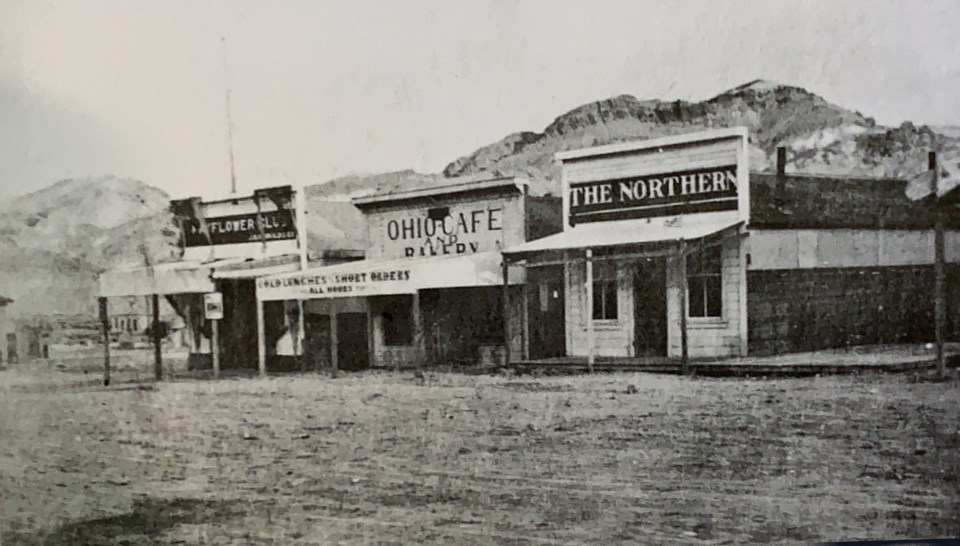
<point x="385" y="458"/>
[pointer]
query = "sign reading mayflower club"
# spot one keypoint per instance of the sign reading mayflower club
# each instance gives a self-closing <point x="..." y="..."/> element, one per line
<point x="267" y="215"/>
<point x="691" y="191"/>
<point x="242" y="228"/>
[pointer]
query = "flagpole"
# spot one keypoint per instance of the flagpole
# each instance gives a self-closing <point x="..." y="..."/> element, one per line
<point x="226" y="84"/>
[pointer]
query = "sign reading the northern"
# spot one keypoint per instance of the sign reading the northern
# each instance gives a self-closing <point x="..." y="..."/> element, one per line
<point x="666" y="194"/>
<point x="363" y="282"/>
<point x="241" y="228"/>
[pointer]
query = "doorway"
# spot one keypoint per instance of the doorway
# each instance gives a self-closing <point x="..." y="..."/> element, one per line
<point x="353" y="352"/>
<point x="650" y="307"/>
<point x="545" y="311"/>
<point x="316" y="342"/>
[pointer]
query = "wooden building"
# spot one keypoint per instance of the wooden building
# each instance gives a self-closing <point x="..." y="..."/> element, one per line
<point x="431" y="286"/>
<point x="672" y="249"/>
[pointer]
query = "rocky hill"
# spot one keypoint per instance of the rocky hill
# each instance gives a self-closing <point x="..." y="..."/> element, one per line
<point x="820" y="137"/>
<point x="55" y="241"/>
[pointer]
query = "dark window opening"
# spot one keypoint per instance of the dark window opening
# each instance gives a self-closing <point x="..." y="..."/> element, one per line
<point x="397" y="318"/>
<point x="438" y="213"/>
<point x="605" y="291"/>
<point x="705" y="283"/>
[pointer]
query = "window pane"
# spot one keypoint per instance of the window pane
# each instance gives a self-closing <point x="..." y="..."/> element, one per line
<point x="610" y="301"/>
<point x="605" y="300"/>
<point x="714" y="292"/>
<point x="696" y="292"/>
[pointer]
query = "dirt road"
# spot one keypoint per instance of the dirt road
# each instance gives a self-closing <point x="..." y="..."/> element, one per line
<point x="382" y="459"/>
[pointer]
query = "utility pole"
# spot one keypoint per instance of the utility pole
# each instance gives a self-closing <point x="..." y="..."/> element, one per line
<point x="226" y="84"/>
<point x="939" y="305"/>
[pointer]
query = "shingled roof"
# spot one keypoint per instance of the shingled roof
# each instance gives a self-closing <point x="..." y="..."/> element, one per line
<point x="794" y="201"/>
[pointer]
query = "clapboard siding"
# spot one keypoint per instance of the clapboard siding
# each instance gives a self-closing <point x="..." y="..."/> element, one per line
<point x="725" y="336"/>
<point x="709" y="337"/>
<point x="831" y="248"/>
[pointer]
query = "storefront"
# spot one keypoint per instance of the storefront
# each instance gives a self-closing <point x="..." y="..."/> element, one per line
<point x="672" y="250"/>
<point x="227" y="244"/>
<point x="431" y="289"/>
<point x="651" y="261"/>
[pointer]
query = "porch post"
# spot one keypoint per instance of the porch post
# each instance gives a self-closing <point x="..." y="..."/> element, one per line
<point x="105" y="327"/>
<point x="588" y="286"/>
<point x="261" y="341"/>
<point x="299" y="348"/>
<point x="334" y="340"/>
<point x="684" y="351"/>
<point x="506" y="311"/>
<point x="157" y="357"/>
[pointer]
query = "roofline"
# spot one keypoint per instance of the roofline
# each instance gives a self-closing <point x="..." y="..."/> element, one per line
<point x="672" y="140"/>
<point x="463" y="187"/>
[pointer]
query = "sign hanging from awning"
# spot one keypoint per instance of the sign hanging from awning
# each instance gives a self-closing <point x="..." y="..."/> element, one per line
<point x="369" y="278"/>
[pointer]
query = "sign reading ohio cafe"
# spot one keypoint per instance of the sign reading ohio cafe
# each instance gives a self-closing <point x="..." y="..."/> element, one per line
<point x="683" y="192"/>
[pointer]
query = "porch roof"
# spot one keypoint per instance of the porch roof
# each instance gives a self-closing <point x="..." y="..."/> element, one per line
<point x="627" y="232"/>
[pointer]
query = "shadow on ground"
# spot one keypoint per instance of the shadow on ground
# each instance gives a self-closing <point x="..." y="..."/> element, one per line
<point x="149" y="518"/>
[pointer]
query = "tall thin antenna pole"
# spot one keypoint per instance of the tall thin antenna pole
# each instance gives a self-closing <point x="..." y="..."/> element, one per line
<point x="226" y="82"/>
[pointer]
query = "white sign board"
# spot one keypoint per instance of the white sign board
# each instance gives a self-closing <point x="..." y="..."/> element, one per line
<point x="213" y="306"/>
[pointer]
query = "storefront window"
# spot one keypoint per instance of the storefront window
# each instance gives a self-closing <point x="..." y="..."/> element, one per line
<point x="704" y="283"/>
<point x="605" y="291"/>
<point x="397" y="320"/>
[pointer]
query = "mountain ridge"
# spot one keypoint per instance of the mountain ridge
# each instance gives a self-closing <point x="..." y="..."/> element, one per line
<point x="62" y="236"/>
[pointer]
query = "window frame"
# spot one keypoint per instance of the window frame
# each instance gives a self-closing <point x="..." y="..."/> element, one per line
<point x="698" y="277"/>
<point x="606" y="277"/>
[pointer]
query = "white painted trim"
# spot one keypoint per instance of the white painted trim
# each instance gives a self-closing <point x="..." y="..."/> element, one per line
<point x="673" y="140"/>
<point x="505" y="182"/>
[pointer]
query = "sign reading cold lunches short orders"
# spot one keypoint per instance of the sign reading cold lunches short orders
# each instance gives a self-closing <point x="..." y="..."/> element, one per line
<point x="712" y="189"/>
<point x="361" y="282"/>
<point x="213" y="306"/>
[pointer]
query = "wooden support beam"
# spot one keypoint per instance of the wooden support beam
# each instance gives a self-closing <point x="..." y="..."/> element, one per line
<point x="261" y="341"/>
<point x="215" y="347"/>
<point x="105" y="327"/>
<point x="157" y="356"/>
<point x="684" y="343"/>
<point x="334" y="340"/>
<point x="588" y="286"/>
<point x="506" y="312"/>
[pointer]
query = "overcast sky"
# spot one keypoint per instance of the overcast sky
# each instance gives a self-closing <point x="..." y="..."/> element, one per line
<point x="323" y="89"/>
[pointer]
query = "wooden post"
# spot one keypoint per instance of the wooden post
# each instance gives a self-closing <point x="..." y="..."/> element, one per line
<point x="334" y="341"/>
<point x="157" y="357"/>
<point x="588" y="286"/>
<point x="215" y="347"/>
<point x="939" y="309"/>
<point x="684" y="349"/>
<point x="105" y="327"/>
<point x="506" y="311"/>
<point x="419" y="341"/>
<point x="261" y="341"/>
<point x="301" y="336"/>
